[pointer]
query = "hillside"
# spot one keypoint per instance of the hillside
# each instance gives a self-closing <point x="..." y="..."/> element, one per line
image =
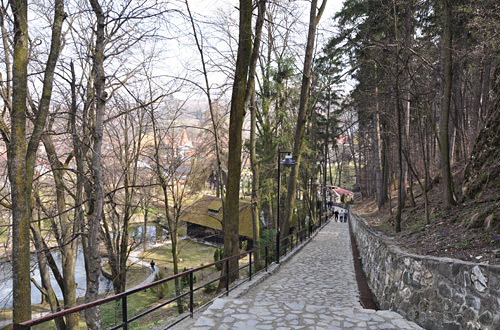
<point x="469" y="231"/>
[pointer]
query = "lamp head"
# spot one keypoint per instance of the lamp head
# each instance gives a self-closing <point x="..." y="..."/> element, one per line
<point x="288" y="161"/>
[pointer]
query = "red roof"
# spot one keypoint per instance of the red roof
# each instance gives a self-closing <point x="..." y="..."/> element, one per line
<point x="342" y="191"/>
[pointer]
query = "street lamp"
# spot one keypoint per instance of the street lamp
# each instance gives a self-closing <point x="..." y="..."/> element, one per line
<point x="287" y="162"/>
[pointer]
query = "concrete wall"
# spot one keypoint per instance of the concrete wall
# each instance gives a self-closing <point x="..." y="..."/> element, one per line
<point x="436" y="293"/>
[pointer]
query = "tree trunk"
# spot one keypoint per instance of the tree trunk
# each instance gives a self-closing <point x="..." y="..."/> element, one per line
<point x="255" y="182"/>
<point x="67" y="243"/>
<point x="378" y="148"/>
<point x="175" y="261"/>
<point x="303" y="115"/>
<point x="22" y="155"/>
<point x="80" y="149"/>
<point x="401" y="188"/>
<point x="398" y="109"/>
<point x="47" y="290"/>
<point x="250" y="96"/>
<point x="231" y="212"/>
<point x="92" y="258"/>
<point x="445" y="106"/>
<point x="426" y="170"/>
<point x="20" y="192"/>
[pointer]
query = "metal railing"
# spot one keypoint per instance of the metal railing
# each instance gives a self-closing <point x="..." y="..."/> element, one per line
<point x="267" y="252"/>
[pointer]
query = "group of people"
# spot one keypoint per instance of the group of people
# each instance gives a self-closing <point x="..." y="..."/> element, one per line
<point x="340" y="216"/>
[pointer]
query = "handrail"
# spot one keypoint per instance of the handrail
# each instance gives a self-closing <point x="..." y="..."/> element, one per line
<point x="299" y="236"/>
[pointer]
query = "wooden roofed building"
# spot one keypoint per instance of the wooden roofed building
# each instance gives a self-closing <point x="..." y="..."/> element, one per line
<point x="204" y="221"/>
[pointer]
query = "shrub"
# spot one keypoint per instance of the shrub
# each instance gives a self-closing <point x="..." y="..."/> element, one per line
<point x="185" y="279"/>
<point x="160" y="290"/>
<point x="267" y="236"/>
<point x="212" y="287"/>
<point x="218" y="255"/>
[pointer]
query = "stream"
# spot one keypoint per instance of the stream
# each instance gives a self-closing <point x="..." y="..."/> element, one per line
<point x="154" y="234"/>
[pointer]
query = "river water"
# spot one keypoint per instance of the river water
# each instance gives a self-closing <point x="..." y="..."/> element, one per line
<point x="154" y="234"/>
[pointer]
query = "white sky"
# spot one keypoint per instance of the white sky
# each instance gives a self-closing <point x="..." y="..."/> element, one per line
<point x="207" y="9"/>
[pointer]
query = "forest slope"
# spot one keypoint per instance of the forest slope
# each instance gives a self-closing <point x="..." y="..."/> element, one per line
<point x="468" y="231"/>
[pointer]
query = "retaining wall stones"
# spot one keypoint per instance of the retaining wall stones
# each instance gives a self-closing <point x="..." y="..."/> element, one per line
<point x="436" y="293"/>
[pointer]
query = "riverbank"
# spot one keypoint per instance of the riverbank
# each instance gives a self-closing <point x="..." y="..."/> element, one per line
<point x="192" y="254"/>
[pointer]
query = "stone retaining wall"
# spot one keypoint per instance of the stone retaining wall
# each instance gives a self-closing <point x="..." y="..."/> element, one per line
<point x="436" y="293"/>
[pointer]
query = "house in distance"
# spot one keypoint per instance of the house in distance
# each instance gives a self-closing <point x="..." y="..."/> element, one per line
<point x="204" y="221"/>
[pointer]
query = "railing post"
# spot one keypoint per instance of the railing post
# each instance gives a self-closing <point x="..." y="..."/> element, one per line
<point x="227" y="277"/>
<point x="124" y="312"/>
<point x="278" y="247"/>
<point x="250" y="265"/>
<point x="191" y="293"/>
<point x="266" y="256"/>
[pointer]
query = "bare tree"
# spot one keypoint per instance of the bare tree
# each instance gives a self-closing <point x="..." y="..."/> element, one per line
<point x="251" y="103"/>
<point x="213" y="116"/>
<point x="22" y="146"/>
<point x="304" y="112"/>
<point x="91" y="241"/>
<point x="172" y="169"/>
<point x="125" y="138"/>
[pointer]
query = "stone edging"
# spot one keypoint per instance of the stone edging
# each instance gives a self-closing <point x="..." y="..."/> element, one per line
<point x="436" y="293"/>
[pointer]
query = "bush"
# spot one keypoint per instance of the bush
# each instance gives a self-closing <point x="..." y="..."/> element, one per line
<point x="267" y="236"/>
<point x="185" y="279"/>
<point x="212" y="287"/>
<point x="160" y="290"/>
<point x="218" y="255"/>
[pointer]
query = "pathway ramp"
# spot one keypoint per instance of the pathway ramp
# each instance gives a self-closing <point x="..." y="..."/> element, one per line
<point x="314" y="289"/>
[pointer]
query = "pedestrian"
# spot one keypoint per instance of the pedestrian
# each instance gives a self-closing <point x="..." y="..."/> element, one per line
<point x="152" y="266"/>
<point x="345" y="216"/>
<point x="336" y="215"/>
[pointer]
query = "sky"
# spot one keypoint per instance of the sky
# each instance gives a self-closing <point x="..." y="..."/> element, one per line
<point x="189" y="58"/>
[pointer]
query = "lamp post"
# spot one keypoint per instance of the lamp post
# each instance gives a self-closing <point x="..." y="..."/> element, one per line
<point x="315" y="186"/>
<point x="287" y="162"/>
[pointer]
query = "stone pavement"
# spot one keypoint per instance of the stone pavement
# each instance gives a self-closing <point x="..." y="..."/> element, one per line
<point x="314" y="289"/>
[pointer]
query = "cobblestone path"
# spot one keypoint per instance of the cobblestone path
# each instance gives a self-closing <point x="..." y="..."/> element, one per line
<point x="315" y="289"/>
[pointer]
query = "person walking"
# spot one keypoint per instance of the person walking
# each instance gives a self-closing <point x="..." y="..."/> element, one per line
<point x="336" y="215"/>
<point x="152" y="263"/>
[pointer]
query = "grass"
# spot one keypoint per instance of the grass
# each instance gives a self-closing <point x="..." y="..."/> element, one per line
<point x="191" y="253"/>
<point x="136" y="275"/>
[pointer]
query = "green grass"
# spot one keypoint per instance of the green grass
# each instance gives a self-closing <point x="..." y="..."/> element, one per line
<point x="192" y="254"/>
